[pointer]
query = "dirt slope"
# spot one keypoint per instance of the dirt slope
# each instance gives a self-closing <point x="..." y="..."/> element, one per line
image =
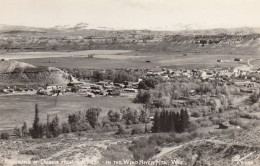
<point x="7" y="66"/>
<point x="14" y="71"/>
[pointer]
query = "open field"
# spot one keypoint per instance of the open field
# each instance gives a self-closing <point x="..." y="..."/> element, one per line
<point x="109" y="59"/>
<point x="28" y="55"/>
<point x="15" y="110"/>
<point x="88" y="63"/>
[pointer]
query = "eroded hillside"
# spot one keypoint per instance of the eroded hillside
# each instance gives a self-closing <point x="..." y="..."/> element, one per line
<point x="245" y="41"/>
<point x="19" y="72"/>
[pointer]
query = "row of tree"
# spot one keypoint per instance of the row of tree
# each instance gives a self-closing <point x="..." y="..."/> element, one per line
<point x="170" y="121"/>
<point x="82" y="121"/>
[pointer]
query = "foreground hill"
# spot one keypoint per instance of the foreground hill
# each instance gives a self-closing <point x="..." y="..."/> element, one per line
<point x="8" y="66"/>
<point x="14" y="71"/>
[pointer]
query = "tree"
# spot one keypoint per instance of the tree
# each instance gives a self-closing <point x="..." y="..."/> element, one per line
<point x="98" y="75"/>
<point x="156" y="122"/>
<point x="92" y="116"/>
<point x="184" y="120"/>
<point x="73" y="122"/>
<point x="5" y="136"/>
<point x="149" y="82"/>
<point x="177" y="122"/>
<point x="114" y="116"/>
<point x="55" y="129"/>
<point x="37" y="129"/>
<point x="143" y="96"/>
<point x="130" y="116"/>
<point x="25" y="130"/>
<point x="254" y="97"/>
<point x="144" y="115"/>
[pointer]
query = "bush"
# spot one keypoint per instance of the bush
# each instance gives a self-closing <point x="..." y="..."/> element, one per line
<point x="5" y="136"/>
<point x="130" y="116"/>
<point x="109" y="126"/>
<point x="142" y="150"/>
<point x="247" y="116"/>
<point x="114" y="116"/>
<point x="235" y="122"/>
<point x="54" y="127"/>
<point x="114" y="93"/>
<point x="204" y="122"/>
<point x="195" y="114"/>
<point x="121" y="130"/>
<point x="92" y="116"/>
<point x="17" y="132"/>
<point x="65" y="128"/>
<point x="143" y="96"/>
<point x="216" y="120"/>
<point x="117" y="153"/>
<point x="137" y="130"/>
<point x="254" y="97"/>
<point x="37" y="132"/>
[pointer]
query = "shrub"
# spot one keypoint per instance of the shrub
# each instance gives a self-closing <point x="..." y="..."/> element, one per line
<point x="121" y="130"/>
<point x="115" y="93"/>
<point x="84" y="126"/>
<point x="109" y="126"/>
<point x="143" y="96"/>
<point x="254" y="97"/>
<point x="92" y="116"/>
<point x="18" y="132"/>
<point x="247" y="116"/>
<point x="54" y="127"/>
<point x="204" y="122"/>
<point x="137" y="130"/>
<point x="216" y="120"/>
<point x="117" y="153"/>
<point x="144" y="115"/>
<point x="25" y="131"/>
<point x="195" y="114"/>
<point x="65" y="128"/>
<point x="130" y="116"/>
<point x="5" y="136"/>
<point x="142" y="150"/>
<point x="114" y="116"/>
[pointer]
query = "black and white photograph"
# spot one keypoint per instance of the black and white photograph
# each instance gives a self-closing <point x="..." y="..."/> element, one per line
<point x="129" y="83"/>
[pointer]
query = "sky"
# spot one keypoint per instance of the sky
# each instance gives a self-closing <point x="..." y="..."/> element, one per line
<point x="133" y="14"/>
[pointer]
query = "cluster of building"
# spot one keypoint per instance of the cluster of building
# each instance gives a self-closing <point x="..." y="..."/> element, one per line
<point x="240" y="78"/>
<point x="101" y="88"/>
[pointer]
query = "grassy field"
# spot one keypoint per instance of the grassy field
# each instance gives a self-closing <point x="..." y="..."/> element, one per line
<point x="15" y="110"/>
<point x="135" y="59"/>
<point x="88" y="63"/>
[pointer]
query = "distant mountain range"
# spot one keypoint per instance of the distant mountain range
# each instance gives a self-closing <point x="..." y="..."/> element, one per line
<point x="184" y="29"/>
<point x="82" y="36"/>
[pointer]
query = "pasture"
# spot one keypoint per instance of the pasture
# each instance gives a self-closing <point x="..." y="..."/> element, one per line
<point x="131" y="59"/>
<point x="15" y="110"/>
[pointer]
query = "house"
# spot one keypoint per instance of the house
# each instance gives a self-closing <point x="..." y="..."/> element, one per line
<point x="245" y="83"/>
<point x="75" y="84"/>
<point x="130" y="90"/>
<point x="238" y="59"/>
<point x="89" y="94"/>
<point x="51" y="87"/>
<point x="57" y="88"/>
<point x="102" y="83"/>
<point x="223" y="125"/>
